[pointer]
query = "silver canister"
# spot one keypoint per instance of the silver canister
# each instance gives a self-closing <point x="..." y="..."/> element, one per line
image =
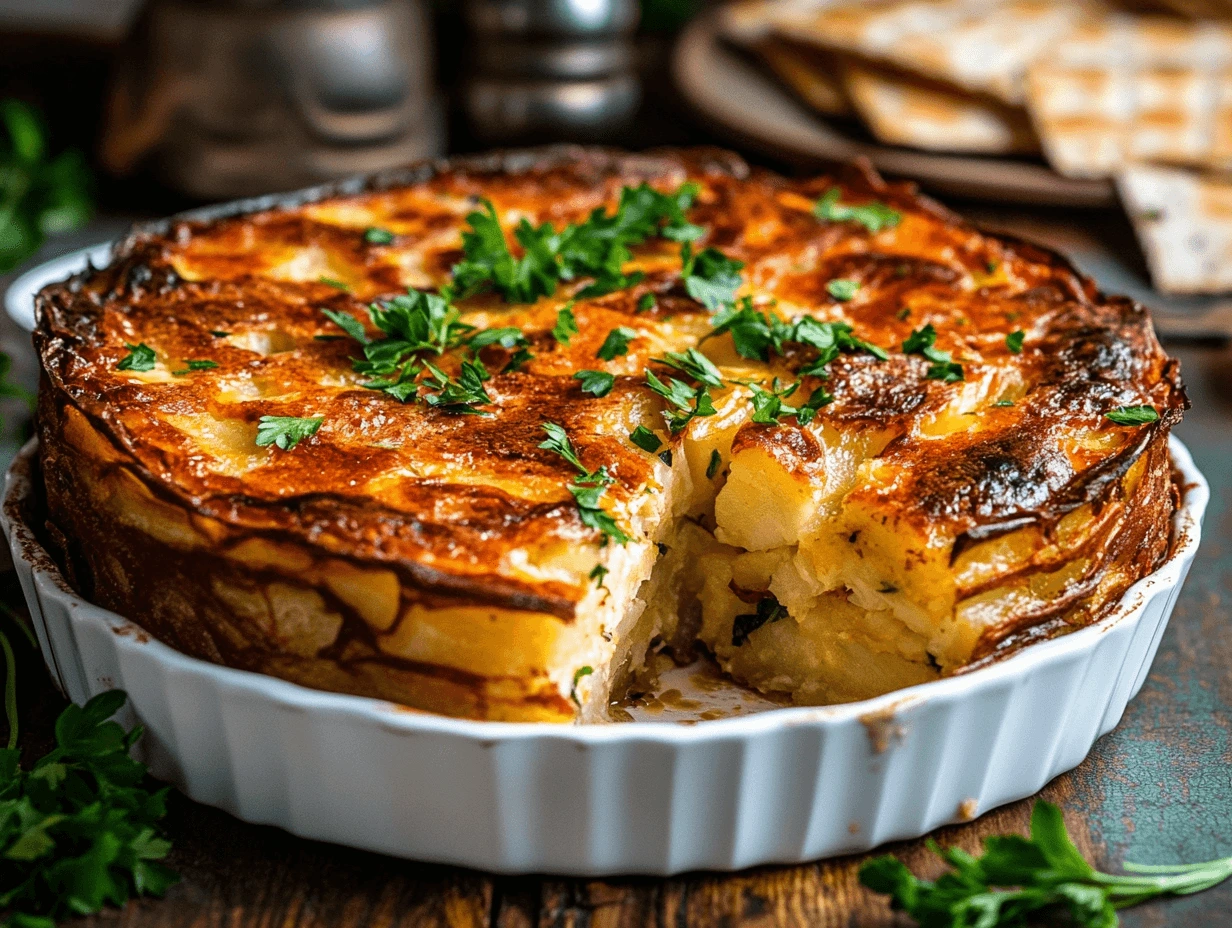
<point x="223" y="98"/>
<point x="550" y="70"/>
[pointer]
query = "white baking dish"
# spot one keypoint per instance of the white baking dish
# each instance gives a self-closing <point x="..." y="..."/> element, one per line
<point x="780" y="786"/>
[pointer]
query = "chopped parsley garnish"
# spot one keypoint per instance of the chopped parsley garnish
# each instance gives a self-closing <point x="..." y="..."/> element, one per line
<point x="1021" y="881"/>
<point x="693" y="363"/>
<point x="616" y="343"/>
<point x="842" y="289"/>
<point x="710" y="277"/>
<point x="830" y="339"/>
<point x="1132" y="415"/>
<point x="756" y="335"/>
<point x="336" y="284"/>
<point x="769" y="406"/>
<point x="79" y="829"/>
<point x="716" y="461"/>
<point x="687" y="402"/>
<point x="768" y="610"/>
<point x="646" y="302"/>
<point x="577" y="676"/>
<point x="415" y="325"/>
<point x="219" y="334"/>
<point x="873" y="216"/>
<point x="509" y="338"/>
<point x="140" y="357"/>
<point x="457" y="395"/>
<point x="587" y="487"/>
<point x="377" y="236"/>
<point x="1014" y="340"/>
<point x="286" y="431"/>
<point x="566" y="324"/>
<point x="1004" y="403"/>
<point x="598" y="574"/>
<point x="195" y="365"/>
<point x="596" y="383"/>
<point x="598" y="247"/>
<point x="944" y="367"/>
<point x="645" y="439"/>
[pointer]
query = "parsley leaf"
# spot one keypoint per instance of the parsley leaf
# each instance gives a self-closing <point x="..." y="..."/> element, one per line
<point x="566" y="325"/>
<point x="944" y="368"/>
<point x="459" y="395"/>
<point x="140" y="357"/>
<point x="587" y="487"/>
<point x="336" y="284"/>
<point x="1019" y="881"/>
<point x="688" y="402"/>
<point x="616" y="343"/>
<point x="830" y="339"/>
<point x="645" y="439"/>
<point x="377" y="236"/>
<point x="842" y="289"/>
<point x="710" y="277"/>
<point x="596" y="383"/>
<point x="349" y="324"/>
<point x="695" y="364"/>
<point x="80" y="828"/>
<point x="754" y="334"/>
<point x="768" y="610"/>
<point x="873" y="216"/>
<point x="716" y="460"/>
<point x="286" y="431"/>
<point x="195" y="365"/>
<point x="597" y="574"/>
<point x="769" y="406"/>
<point x="646" y="303"/>
<point x="1132" y="415"/>
<point x="1013" y="341"/>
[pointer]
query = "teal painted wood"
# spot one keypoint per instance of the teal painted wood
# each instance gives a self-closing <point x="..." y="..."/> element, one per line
<point x="1159" y="788"/>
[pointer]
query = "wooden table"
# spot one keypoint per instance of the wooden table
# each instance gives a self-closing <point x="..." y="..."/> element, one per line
<point x="1156" y="790"/>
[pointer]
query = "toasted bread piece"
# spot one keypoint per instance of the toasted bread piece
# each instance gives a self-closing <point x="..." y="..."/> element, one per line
<point x="980" y="46"/>
<point x="1128" y="89"/>
<point x="905" y="111"/>
<point x="1183" y="220"/>
<point x="439" y="557"/>
<point x="808" y="73"/>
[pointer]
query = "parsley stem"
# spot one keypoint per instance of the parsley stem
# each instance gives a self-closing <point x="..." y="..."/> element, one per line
<point x="10" y="689"/>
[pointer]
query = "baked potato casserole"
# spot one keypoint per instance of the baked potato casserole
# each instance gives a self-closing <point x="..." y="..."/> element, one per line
<point x="475" y="437"/>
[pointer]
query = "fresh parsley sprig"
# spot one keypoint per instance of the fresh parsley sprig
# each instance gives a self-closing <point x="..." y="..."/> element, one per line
<point x="710" y="277"/>
<point x="286" y="432"/>
<point x="587" y="487"/>
<point x="457" y="395"/>
<point x="80" y="828"/>
<point x="694" y="364"/>
<point x="770" y="405"/>
<point x="944" y="368"/>
<point x="1018" y="880"/>
<point x="874" y="216"/>
<point x="685" y="403"/>
<point x="140" y="357"/>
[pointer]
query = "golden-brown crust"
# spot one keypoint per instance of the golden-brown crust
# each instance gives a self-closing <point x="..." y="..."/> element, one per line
<point x="471" y="490"/>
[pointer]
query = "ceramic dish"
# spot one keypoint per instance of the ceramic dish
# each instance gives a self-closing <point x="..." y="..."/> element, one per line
<point x="783" y="785"/>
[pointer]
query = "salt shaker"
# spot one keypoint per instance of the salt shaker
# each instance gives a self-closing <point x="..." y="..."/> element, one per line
<point x="551" y="70"/>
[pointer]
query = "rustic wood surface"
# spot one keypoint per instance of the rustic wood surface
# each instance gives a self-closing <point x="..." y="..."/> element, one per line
<point x="1156" y="790"/>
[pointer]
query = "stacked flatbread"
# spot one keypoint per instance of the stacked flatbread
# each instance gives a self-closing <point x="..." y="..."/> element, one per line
<point x="1124" y="93"/>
